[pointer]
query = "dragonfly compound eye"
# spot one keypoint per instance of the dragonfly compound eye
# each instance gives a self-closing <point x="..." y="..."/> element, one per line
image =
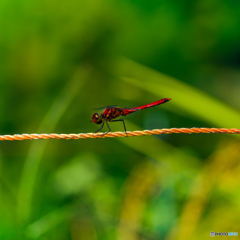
<point x="96" y="118"/>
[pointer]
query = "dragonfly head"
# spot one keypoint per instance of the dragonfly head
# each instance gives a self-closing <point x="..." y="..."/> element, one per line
<point x="97" y="118"/>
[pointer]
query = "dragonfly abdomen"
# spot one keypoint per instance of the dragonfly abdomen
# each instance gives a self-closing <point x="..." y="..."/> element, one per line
<point x="164" y="100"/>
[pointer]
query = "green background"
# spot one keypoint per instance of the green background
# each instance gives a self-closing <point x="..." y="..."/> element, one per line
<point x="61" y="59"/>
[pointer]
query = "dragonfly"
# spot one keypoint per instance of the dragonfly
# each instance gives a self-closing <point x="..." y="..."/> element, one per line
<point x="116" y="114"/>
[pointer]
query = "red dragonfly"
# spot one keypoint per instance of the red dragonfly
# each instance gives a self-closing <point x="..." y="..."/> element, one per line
<point x="110" y="113"/>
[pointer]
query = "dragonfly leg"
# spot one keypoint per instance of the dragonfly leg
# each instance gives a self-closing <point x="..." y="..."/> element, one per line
<point x="108" y="128"/>
<point x="100" y="128"/>
<point x="117" y="120"/>
<point x="107" y="131"/>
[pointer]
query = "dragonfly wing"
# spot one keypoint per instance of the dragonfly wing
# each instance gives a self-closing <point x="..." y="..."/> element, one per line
<point x="101" y="108"/>
<point x="130" y="112"/>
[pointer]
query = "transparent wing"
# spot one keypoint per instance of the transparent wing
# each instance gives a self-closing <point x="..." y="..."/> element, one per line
<point x="132" y="113"/>
<point x="101" y="108"/>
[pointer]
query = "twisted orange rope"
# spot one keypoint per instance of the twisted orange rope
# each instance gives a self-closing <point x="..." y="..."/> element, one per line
<point x="117" y="134"/>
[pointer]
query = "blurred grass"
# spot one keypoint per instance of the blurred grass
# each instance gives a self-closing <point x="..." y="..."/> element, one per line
<point x="46" y="223"/>
<point x="131" y="214"/>
<point x="35" y="153"/>
<point x="202" y="188"/>
<point x="185" y="99"/>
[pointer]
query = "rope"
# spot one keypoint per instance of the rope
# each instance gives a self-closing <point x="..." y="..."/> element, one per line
<point x="117" y="134"/>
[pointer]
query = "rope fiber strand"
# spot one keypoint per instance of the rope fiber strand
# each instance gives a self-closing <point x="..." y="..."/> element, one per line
<point x="117" y="134"/>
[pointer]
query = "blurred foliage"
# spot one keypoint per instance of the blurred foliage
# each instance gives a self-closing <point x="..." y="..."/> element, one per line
<point x="61" y="59"/>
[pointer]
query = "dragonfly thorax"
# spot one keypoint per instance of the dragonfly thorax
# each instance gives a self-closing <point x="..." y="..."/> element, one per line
<point x="97" y="118"/>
